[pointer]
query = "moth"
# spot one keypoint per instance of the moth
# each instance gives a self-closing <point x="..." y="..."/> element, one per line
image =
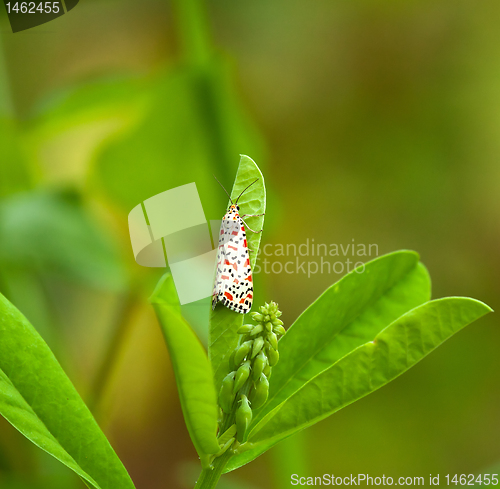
<point x="233" y="283"/>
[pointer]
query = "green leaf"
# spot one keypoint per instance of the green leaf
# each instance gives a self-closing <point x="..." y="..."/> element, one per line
<point x="53" y="233"/>
<point x="372" y="365"/>
<point x="38" y="399"/>
<point x="252" y="201"/>
<point x="348" y="314"/>
<point x="192" y="370"/>
<point x="223" y="322"/>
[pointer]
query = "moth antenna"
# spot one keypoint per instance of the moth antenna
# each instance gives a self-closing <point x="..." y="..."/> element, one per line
<point x="225" y="189"/>
<point x="245" y="190"/>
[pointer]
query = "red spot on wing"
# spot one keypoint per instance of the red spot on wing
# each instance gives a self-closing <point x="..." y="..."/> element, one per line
<point x="249" y="278"/>
<point x="247" y="263"/>
<point x="228" y="296"/>
<point x="224" y="277"/>
<point x="232" y="247"/>
<point x="234" y="265"/>
<point x="235" y="233"/>
<point x="245" y="243"/>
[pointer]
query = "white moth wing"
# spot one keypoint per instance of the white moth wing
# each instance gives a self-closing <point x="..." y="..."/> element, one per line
<point x="233" y="285"/>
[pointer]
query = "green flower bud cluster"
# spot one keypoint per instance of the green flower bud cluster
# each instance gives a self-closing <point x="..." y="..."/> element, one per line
<point x="246" y="387"/>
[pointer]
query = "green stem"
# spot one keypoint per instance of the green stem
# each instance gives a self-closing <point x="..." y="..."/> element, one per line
<point x="194" y="31"/>
<point x="121" y="326"/>
<point x="198" y="53"/>
<point x="210" y="477"/>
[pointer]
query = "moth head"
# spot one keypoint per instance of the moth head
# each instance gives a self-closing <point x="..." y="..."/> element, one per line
<point x="234" y="205"/>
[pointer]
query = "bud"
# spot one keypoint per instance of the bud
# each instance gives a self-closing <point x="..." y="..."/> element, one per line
<point x="272" y="309"/>
<point x="246" y="328"/>
<point x="256" y="330"/>
<point x="226" y="395"/>
<point x="227" y="435"/>
<point x="259" y="364"/>
<point x="256" y="316"/>
<point x="267" y="371"/>
<point x="269" y="327"/>
<point x="260" y="392"/>
<point x="277" y="322"/>
<point x="243" y="419"/>
<point x="242" y="352"/>
<point x="273" y="356"/>
<point x="257" y="346"/>
<point x="242" y="375"/>
<point x="225" y="447"/>
<point x="273" y="340"/>
<point x="279" y="330"/>
<point x="232" y="365"/>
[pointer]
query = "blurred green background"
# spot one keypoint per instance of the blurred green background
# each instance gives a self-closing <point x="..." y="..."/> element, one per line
<point x="376" y="121"/>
